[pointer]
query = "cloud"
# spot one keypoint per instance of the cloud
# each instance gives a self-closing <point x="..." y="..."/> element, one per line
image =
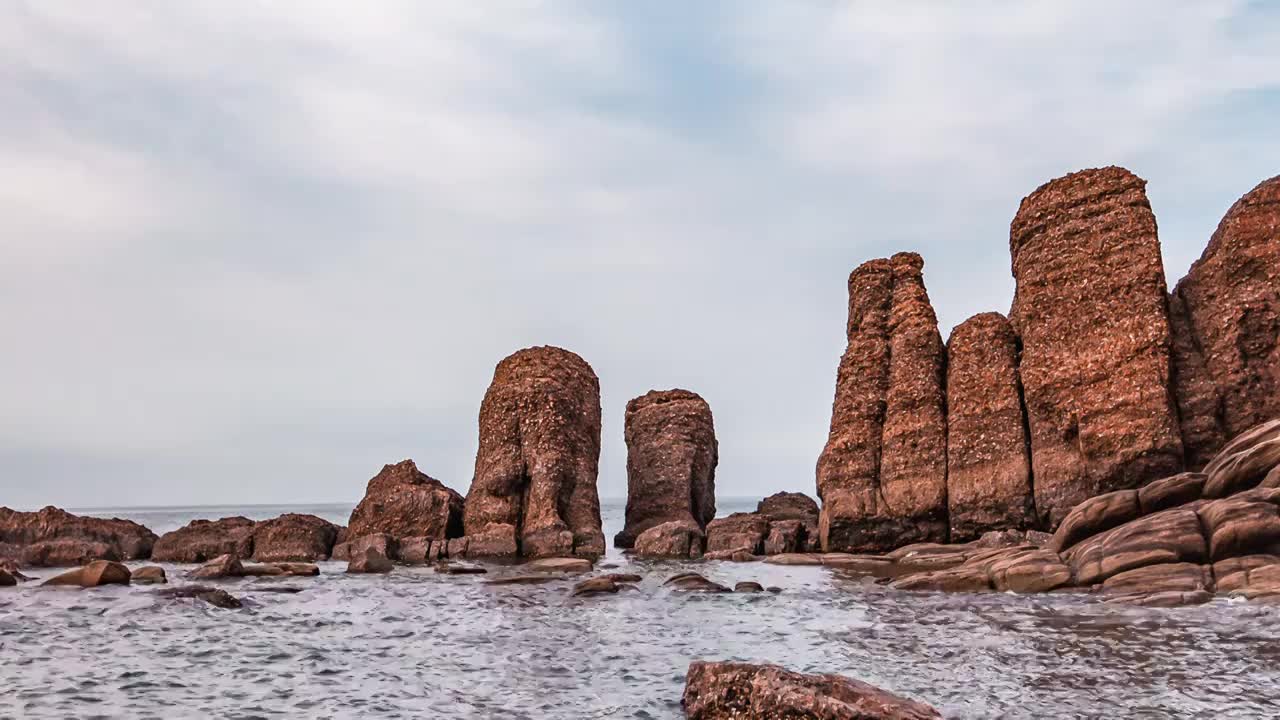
<point x="251" y="252"/>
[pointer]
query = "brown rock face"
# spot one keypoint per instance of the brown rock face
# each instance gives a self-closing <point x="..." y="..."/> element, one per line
<point x="1230" y="303"/>
<point x="1090" y="307"/>
<point x="534" y="490"/>
<point x="402" y="501"/>
<point x="988" y="470"/>
<point x="727" y="690"/>
<point x="882" y="474"/>
<point x="202" y="540"/>
<point x="53" y="537"/>
<point x="671" y="462"/>
<point x="294" y="538"/>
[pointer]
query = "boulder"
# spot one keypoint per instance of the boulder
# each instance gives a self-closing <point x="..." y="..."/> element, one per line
<point x="785" y="536"/>
<point x="793" y="506"/>
<point x="52" y="537"/>
<point x="402" y="501"/>
<point x="386" y="546"/>
<point x="538" y="458"/>
<point x="202" y="540"/>
<point x="1197" y="396"/>
<point x="1164" y="599"/>
<point x="671" y="462"/>
<point x="882" y="475"/>
<point x="223" y="566"/>
<point x="748" y="586"/>
<point x="418" y="550"/>
<point x="294" y="538"/>
<point x="678" y="539"/>
<point x="1090" y="309"/>
<point x="1230" y="302"/>
<point x="595" y="586"/>
<point x="729" y="690"/>
<point x="739" y="531"/>
<point x="149" y="575"/>
<point x="693" y="582"/>
<point x="369" y="560"/>
<point x="988" y="469"/>
<point x="559" y="565"/>
<point x="95" y="574"/>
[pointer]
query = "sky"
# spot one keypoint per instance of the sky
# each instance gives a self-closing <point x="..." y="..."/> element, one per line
<point x="252" y="251"/>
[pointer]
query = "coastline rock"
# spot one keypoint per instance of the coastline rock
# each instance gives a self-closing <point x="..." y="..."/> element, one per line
<point x="202" y="540"/>
<point x="539" y="453"/>
<point x="1090" y="308"/>
<point x="988" y="470"/>
<point x="369" y="561"/>
<point x="678" y="539"/>
<point x="95" y="574"/>
<point x="882" y="474"/>
<point x="52" y="537"/>
<point x="728" y="690"/>
<point x="294" y="538"/>
<point x="149" y="575"/>
<point x="1230" y="303"/>
<point x="793" y="506"/>
<point x="748" y="586"/>
<point x="402" y="501"/>
<point x="737" y="532"/>
<point x="671" y="462"/>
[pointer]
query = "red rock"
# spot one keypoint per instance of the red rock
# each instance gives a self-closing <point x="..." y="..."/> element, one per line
<point x="1095" y="515"/>
<point x="595" y="586"/>
<point x="539" y="457"/>
<point x="1164" y="577"/>
<point x="671" y="462"/>
<point x="671" y="539"/>
<point x="402" y="501"/>
<point x="727" y="691"/>
<point x="293" y="537"/>
<point x="385" y="544"/>
<point x="1244" y="524"/>
<point x="988" y="471"/>
<point x="785" y="536"/>
<point x="417" y="550"/>
<point x="369" y="561"/>
<point x="152" y="574"/>
<point x="882" y="474"/>
<point x="1244" y="462"/>
<point x="54" y="537"/>
<point x="202" y="540"/>
<point x="739" y="531"/>
<point x="1166" y="599"/>
<point x="1232" y="308"/>
<point x="1198" y="398"/>
<point x="1168" y="536"/>
<point x="793" y="506"/>
<point x="1090" y="308"/>
<point x="1170" y="492"/>
<point x="95" y="574"/>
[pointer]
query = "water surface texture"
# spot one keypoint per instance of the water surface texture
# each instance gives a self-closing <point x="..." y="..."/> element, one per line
<point x="417" y="644"/>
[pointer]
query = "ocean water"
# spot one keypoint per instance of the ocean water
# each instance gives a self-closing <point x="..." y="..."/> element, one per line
<point x="416" y="644"/>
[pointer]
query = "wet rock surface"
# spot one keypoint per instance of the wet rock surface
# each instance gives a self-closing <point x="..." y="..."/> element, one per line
<point x="52" y="537"/>
<point x="534" y="491"/>
<point x="725" y="691"/>
<point x="671" y="462"/>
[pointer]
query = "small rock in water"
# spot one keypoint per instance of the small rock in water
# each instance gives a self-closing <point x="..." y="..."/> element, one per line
<point x="214" y="596"/>
<point x="451" y="568"/>
<point x="560" y="564"/>
<point x="693" y="582"/>
<point x="595" y="586"/>
<point x="96" y="573"/>
<point x="369" y="561"/>
<point x="150" y="575"/>
<point x="748" y="586"/>
<point x="223" y="566"/>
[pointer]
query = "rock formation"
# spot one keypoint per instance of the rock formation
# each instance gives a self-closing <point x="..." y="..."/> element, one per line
<point x="1226" y="317"/>
<point x="55" y="538"/>
<point x="534" y="490"/>
<point x="882" y="474"/>
<point x="403" y="502"/>
<point x="988" y="471"/>
<point x="729" y="690"/>
<point x="290" y="537"/>
<point x="671" y="462"/>
<point x="294" y="538"/>
<point x="790" y="513"/>
<point x="1090" y="309"/>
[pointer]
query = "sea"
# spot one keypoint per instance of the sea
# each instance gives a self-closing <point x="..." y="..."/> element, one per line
<point x="416" y="644"/>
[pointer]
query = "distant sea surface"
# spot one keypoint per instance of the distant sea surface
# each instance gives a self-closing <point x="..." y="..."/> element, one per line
<point x="416" y="644"/>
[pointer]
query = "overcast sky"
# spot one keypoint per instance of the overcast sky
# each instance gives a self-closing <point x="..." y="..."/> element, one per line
<point x="251" y="251"/>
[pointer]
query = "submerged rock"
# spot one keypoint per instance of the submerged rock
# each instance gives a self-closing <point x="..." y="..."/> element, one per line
<point x="728" y="690"/>
<point x="53" y="537"/>
<point x="538" y="460"/>
<point x="671" y="463"/>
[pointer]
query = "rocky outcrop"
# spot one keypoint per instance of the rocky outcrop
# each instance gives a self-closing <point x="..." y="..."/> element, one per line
<point x="988" y="468"/>
<point x="1090" y="309"/>
<point x="402" y="501"/>
<point x="728" y="690"/>
<point x="294" y="538"/>
<point x="534" y="491"/>
<point x="1229" y="303"/>
<point x="1173" y="541"/>
<point x="202" y="540"/>
<point x="53" y="537"/>
<point x="882" y="474"/>
<point x="671" y="462"/>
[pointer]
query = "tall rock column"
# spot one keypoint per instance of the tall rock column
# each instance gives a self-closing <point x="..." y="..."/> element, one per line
<point x="534" y="491"/>
<point x="1229" y="305"/>
<point x="882" y="474"/>
<point x="988" y="471"/>
<point x="671" y="463"/>
<point x="1090" y="307"/>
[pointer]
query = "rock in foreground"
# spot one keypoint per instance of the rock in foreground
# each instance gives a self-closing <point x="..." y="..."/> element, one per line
<point x="739" y="691"/>
<point x="534" y="491"/>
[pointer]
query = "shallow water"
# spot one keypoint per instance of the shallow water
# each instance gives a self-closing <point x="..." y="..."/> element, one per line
<point x="417" y="644"/>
